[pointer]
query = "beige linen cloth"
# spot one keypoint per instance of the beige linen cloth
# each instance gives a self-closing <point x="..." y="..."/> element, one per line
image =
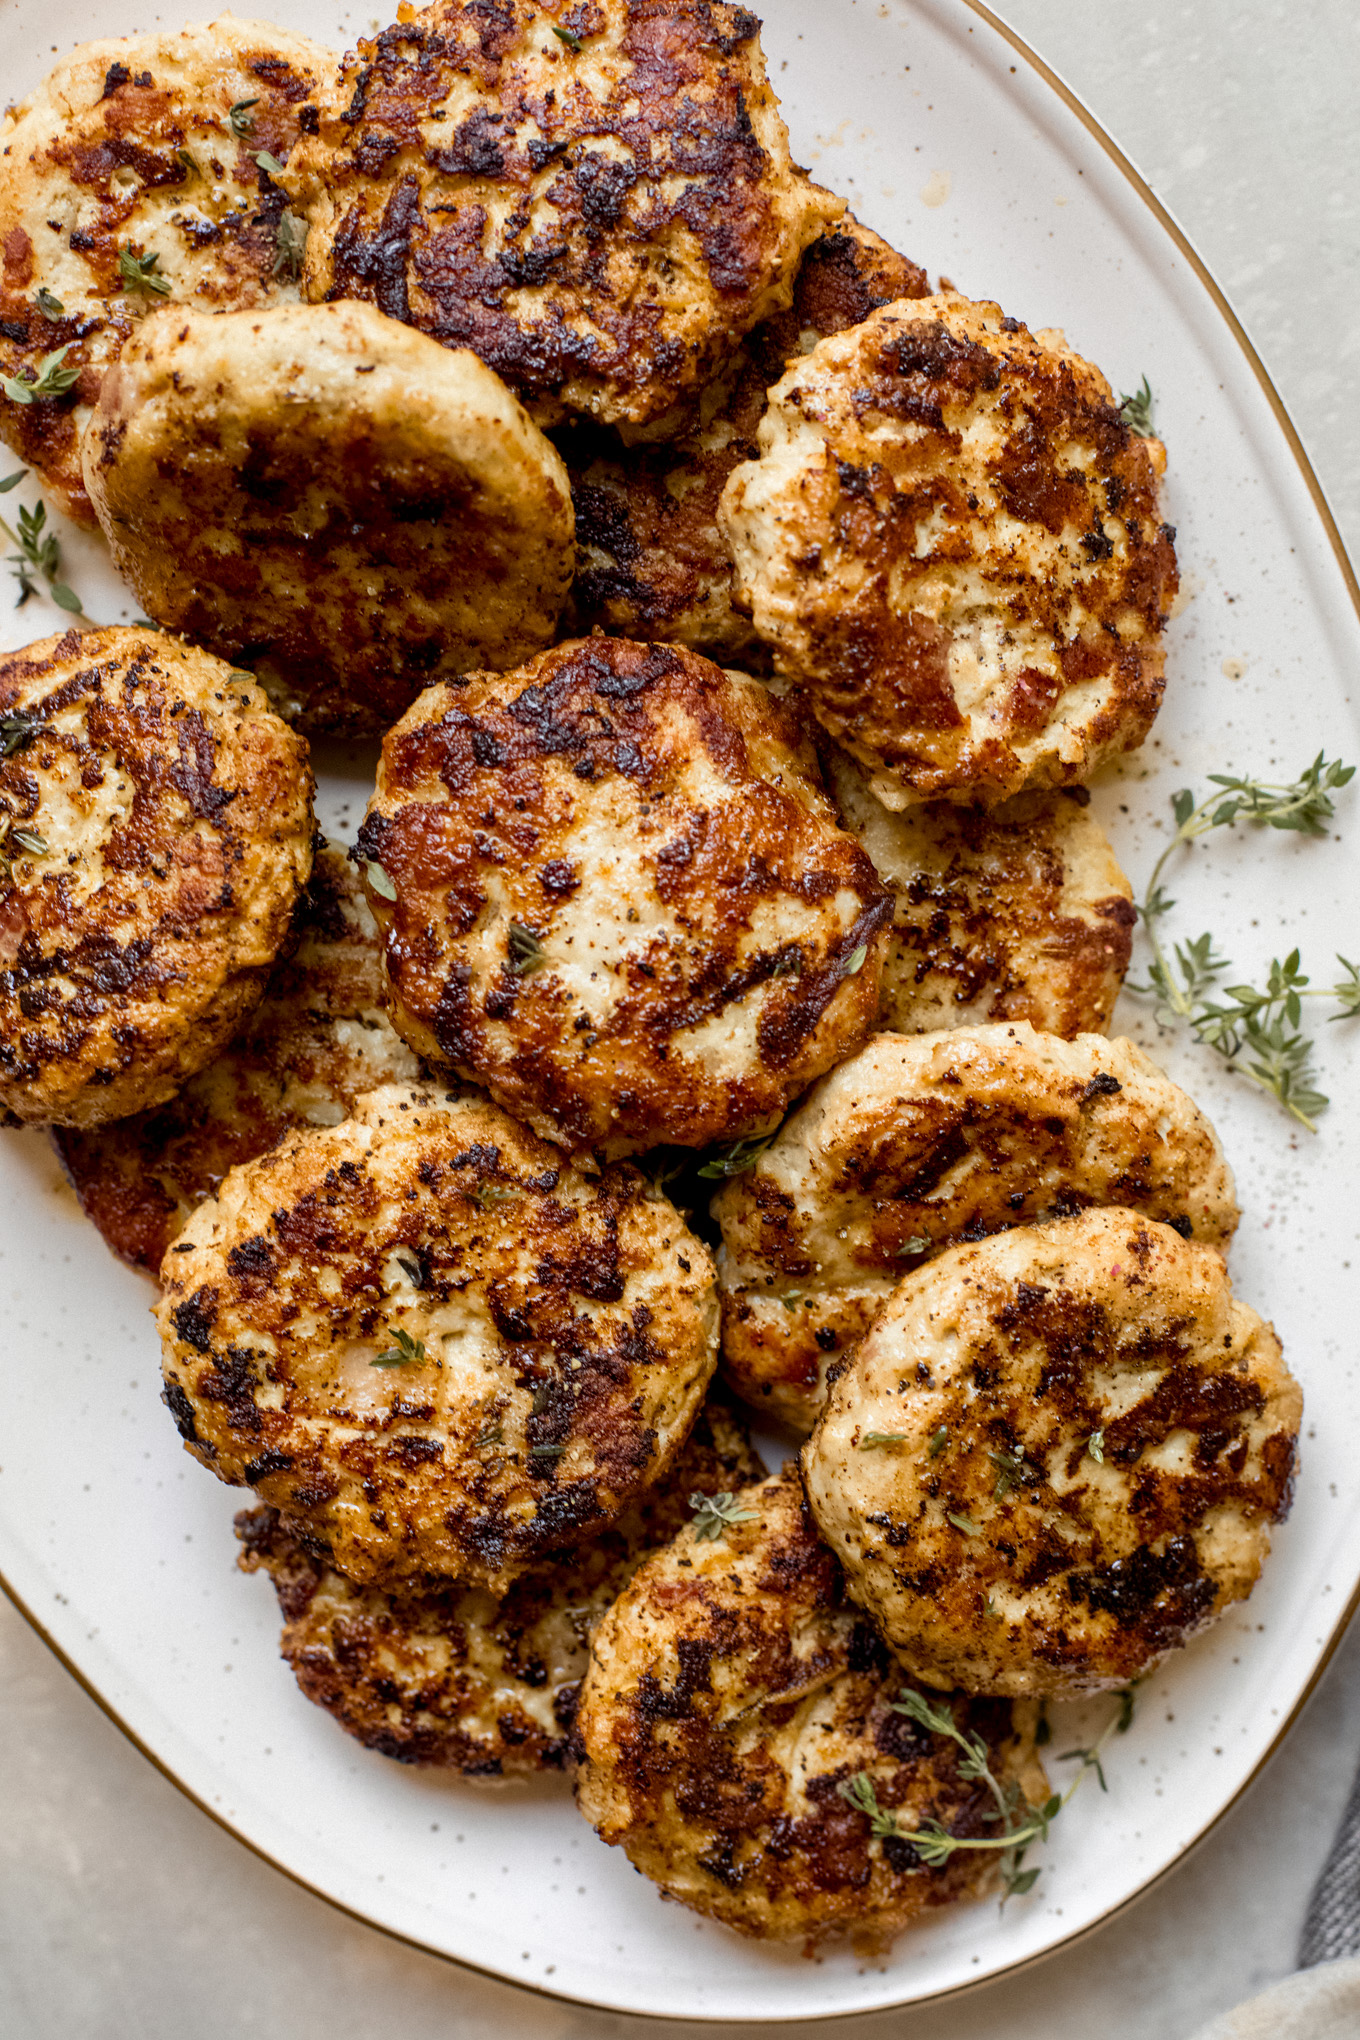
<point x="1315" y="2004"/>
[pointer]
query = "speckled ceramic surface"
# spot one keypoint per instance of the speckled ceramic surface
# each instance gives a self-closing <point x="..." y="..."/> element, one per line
<point x="121" y="1548"/>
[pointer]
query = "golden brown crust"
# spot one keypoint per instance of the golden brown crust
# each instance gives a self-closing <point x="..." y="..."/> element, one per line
<point x="454" y="1676"/>
<point x="651" y="560"/>
<point x="921" y="1141"/>
<point x="1017" y="913"/>
<point x="94" y="162"/>
<point x="732" y="1691"/>
<point x="559" y="1335"/>
<point x="355" y="508"/>
<point x="597" y="198"/>
<point x="707" y="940"/>
<point x="953" y="543"/>
<point x="316" y="1042"/>
<point x="155" y="832"/>
<point x="953" y="1470"/>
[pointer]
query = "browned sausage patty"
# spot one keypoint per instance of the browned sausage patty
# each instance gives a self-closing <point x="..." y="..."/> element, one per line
<point x="1020" y="912"/>
<point x="155" y="832"/>
<point x="433" y="1345"/>
<point x="953" y="544"/>
<point x="921" y="1141"/>
<point x="454" y="1675"/>
<point x="651" y="560"/>
<point x="1056" y="1455"/>
<point x="613" y="892"/>
<point x="595" y="197"/>
<point x="352" y="507"/>
<point x="137" y="158"/>
<point x="317" y="1041"/>
<point x="735" y="1697"/>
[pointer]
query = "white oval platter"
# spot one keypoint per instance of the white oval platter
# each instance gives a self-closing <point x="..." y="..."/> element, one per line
<point x="947" y="137"/>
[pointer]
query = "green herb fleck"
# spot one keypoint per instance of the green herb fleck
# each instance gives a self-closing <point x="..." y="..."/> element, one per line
<point x="290" y="244"/>
<point x="17" y="732"/>
<point x="962" y="1522"/>
<point x="187" y="162"/>
<point x="917" y="1244"/>
<point x="573" y="42"/>
<point x="13" y="841"/>
<point x="854" y="962"/>
<point x="378" y="880"/>
<point x="527" y="953"/>
<point x="241" y="120"/>
<point x="860" y="1793"/>
<point x="142" y="272"/>
<point x="52" y="379"/>
<point x="788" y="963"/>
<point x="269" y="164"/>
<point x="546" y="1451"/>
<point x="1011" y="1471"/>
<point x="735" y="1160"/>
<point x="12" y="481"/>
<point x="715" y="1513"/>
<point x="938" y="1440"/>
<point x="1095" y="1446"/>
<point x="1136" y="411"/>
<point x="404" y="1352"/>
<point x="494" y="1434"/>
<point x="487" y="1194"/>
<point x="871" y="1440"/>
<point x="49" y="304"/>
<point x="791" y="1298"/>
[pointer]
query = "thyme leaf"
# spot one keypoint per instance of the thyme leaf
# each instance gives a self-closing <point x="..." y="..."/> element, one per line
<point x="1136" y="411"/>
<point x="48" y="303"/>
<point x="142" y="272"/>
<point x="573" y="42"/>
<point x="487" y="1194"/>
<point x="917" y="1244"/>
<point x="494" y="1434"/>
<point x="713" y="1514"/>
<point x="17" y="732"/>
<point x="14" y="841"/>
<point x="52" y="378"/>
<point x="403" y="1352"/>
<point x="1095" y="1446"/>
<point x="12" y="481"/>
<point x="854" y="962"/>
<point x="241" y="120"/>
<point x="269" y="164"/>
<point x="290" y="244"/>
<point x="873" y="1439"/>
<point x="938" y="1440"/>
<point x="962" y="1522"/>
<point x="378" y="880"/>
<point x="735" y="1160"/>
<point x="527" y="953"/>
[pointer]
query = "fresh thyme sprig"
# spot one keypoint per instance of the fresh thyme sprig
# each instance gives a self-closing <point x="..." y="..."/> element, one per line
<point x="51" y="378"/>
<point x="1257" y="1030"/>
<point x="38" y="554"/>
<point x="1020" y="1822"/>
<point x="403" y="1352"/>
<point x="1136" y="411"/>
<point x="713" y="1514"/>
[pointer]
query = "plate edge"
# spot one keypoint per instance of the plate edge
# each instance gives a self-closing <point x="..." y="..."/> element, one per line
<point x="1122" y="163"/>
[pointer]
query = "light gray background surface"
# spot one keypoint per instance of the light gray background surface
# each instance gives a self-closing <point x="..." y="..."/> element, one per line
<point x="124" y="1912"/>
